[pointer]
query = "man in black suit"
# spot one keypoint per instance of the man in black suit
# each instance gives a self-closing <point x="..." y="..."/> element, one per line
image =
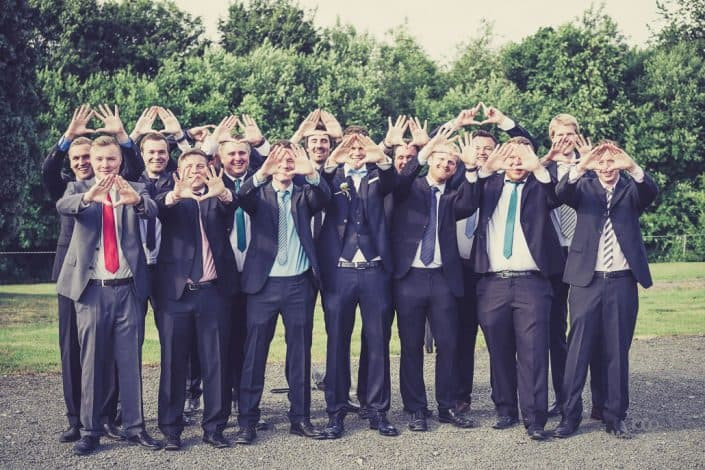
<point x="428" y="276"/>
<point x="77" y="149"/>
<point x="356" y="264"/>
<point x="104" y="273"/>
<point x="606" y="260"/>
<point x="516" y="251"/>
<point x="195" y="279"/>
<point x="280" y="271"/>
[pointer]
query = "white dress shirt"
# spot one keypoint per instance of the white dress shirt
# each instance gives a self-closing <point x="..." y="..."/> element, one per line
<point x="437" y="261"/>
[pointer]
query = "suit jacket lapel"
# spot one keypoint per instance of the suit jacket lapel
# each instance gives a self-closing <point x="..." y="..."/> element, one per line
<point x="270" y="195"/>
<point x="619" y="191"/>
<point x="296" y="194"/>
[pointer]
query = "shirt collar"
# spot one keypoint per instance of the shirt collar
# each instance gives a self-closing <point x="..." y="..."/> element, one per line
<point x="441" y="186"/>
<point x="607" y="187"/>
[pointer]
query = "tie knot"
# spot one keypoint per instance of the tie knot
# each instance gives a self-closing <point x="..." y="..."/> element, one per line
<point x="238" y="181"/>
<point x="284" y="196"/>
<point x="515" y="183"/>
<point x="434" y="189"/>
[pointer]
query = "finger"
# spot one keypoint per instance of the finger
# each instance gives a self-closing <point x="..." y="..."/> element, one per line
<point x="117" y="112"/>
<point x="389" y="122"/>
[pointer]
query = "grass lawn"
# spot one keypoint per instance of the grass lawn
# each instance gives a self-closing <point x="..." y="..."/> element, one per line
<point x="29" y="333"/>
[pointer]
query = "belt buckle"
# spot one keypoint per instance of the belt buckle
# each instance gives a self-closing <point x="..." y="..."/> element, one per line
<point x="102" y="283"/>
<point x="192" y="286"/>
<point x="360" y="265"/>
<point x="504" y="275"/>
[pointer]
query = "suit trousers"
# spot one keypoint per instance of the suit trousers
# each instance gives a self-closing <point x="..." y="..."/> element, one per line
<point x="467" y="334"/>
<point x="421" y="294"/>
<point x="199" y="317"/>
<point x="70" y="359"/>
<point x="110" y="331"/>
<point x="292" y="296"/>
<point x="238" y="335"/>
<point x="602" y="319"/>
<point x="557" y="344"/>
<point x="514" y="317"/>
<point x="368" y="288"/>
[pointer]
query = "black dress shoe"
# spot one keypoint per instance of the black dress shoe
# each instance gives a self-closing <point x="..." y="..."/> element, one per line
<point x="246" y="435"/>
<point x="191" y="405"/>
<point x="113" y="432"/>
<point x="618" y="429"/>
<point x="351" y="406"/>
<point x="335" y="427"/>
<point x="537" y="433"/>
<point x="172" y="443"/>
<point x="86" y="445"/>
<point x="216" y="439"/>
<point x="263" y="425"/>
<point x="554" y="410"/>
<point x="305" y="429"/>
<point x="459" y="420"/>
<point x="380" y="422"/>
<point x="418" y="421"/>
<point x="462" y="406"/>
<point x="566" y="428"/>
<point x="365" y="412"/>
<point x="145" y="440"/>
<point x="596" y="414"/>
<point x="504" y="422"/>
<point x="72" y="434"/>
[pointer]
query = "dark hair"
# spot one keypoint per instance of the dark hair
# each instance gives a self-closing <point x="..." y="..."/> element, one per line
<point x="519" y="140"/>
<point x="191" y="152"/>
<point x="356" y="130"/>
<point x="483" y="133"/>
<point x="283" y="143"/>
<point x="154" y="137"/>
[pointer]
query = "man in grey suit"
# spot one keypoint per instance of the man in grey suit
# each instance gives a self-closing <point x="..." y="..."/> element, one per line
<point x="105" y="275"/>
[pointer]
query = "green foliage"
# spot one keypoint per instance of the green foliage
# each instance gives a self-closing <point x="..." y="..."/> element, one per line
<point x="685" y="21"/>
<point x="284" y="24"/>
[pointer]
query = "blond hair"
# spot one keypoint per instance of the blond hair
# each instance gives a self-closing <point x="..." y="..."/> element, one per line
<point x="562" y="120"/>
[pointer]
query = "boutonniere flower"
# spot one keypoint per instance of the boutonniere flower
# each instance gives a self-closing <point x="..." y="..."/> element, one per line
<point x="344" y="189"/>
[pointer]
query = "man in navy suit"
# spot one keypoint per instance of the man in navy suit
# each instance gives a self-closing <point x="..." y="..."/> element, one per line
<point x="516" y="251"/>
<point x="279" y="275"/>
<point x="606" y="259"/>
<point x="428" y="275"/>
<point x="355" y="256"/>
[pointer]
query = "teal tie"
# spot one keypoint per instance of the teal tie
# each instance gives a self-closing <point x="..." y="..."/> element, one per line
<point x="511" y="219"/>
<point x="240" y="223"/>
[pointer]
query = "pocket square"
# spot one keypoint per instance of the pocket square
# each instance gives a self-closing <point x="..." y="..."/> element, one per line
<point x="376" y="178"/>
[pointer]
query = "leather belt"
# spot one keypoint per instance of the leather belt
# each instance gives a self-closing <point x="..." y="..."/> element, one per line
<point x="612" y="274"/>
<point x="110" y="282"/>
<point x="199" y="285"/>
<point x="359" y="265"/>
<point x="513" y="274"/>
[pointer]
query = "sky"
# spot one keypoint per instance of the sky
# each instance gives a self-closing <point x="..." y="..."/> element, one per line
<point x="441" y="25"/>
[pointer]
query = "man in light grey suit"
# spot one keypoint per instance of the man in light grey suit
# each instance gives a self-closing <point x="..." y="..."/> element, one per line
<point x="105" y="275"/>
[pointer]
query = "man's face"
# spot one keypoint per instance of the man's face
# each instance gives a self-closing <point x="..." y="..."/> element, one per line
<point x="605" y="171"/>
<point x="105" y="160"/>
<point x="514" y="161"/>
<point x="565" y="131"/>
<point x="235" y="158"/>
<point x="441" y="166"/>
<point x="198" y="166"/>
<point x="402" y="155"/>
<point x="285" y="170"/>
<point x="318" y="147"/>
<point x="80" y="161"/>
<point x="356" y="154"/>
<point x="155" y="154"/>
<point x="483" y="147"/>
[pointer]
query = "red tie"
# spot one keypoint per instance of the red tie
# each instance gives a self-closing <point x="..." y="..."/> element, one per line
<point x="110" y="251"/>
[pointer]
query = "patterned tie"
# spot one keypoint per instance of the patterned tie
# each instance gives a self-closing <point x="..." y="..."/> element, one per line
<point x="567" y="219"/>
<point x="110" y="250"/>
<point x="428" y="242"/>
<point x="282" y="240"/>
<point x="607" y="254"/>
<point x="240" y="223"/>
<point x="470" y="225"/>
<point x="511" y="219"/>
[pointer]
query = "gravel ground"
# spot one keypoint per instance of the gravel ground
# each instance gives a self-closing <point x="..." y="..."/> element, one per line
<point x="667" y="418"/>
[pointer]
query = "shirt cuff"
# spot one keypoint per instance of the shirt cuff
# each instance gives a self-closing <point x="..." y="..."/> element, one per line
<point x="128" y="144"/>
<point x="637" y="173"/>
<point x="184" y="146"/>
<point x="256" y="179"/>
<point x="314" y="180"/>
<point x="506" y="124"/>
<point x="386" y="164"/>
<point x="329" y="167"/>
<point x="64" y="144"/>
<point x="574" y="174"/>
<point x="209" y="145"/>
<point x="471" y="176"/>
<point x="264" y="148"/>
<point x="542" y="175"/>
<point x="169" y="199"/>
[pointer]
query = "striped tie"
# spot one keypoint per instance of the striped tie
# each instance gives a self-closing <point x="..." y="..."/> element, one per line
<point x="282" y="249"/>
<point x="567" y="218"/>
<point x="607" y="254"/>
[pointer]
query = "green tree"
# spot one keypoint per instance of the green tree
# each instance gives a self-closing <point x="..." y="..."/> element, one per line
<point x="282" y="22"/>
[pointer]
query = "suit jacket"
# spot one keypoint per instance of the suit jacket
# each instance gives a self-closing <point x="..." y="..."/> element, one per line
<point x="412" y="198"/>
<point x="77" y="268"/>
<point x="180" y="229"/>
<point x="262" y="206"/>
<point x="373" y="189"/>
<point x="537" y="201"/>
<point x="55" y="181"/>
<point x="588" y="198"/>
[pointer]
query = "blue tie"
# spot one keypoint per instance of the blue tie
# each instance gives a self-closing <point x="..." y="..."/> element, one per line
<point x="282" y="239"/>
<point x="470" y="225"/>
<point x="362" y="172"/>
<point x="428" y="243"/>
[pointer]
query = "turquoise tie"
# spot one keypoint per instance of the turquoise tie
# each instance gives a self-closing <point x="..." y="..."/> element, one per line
<point x="240" y="223"/>
<point x="511" y="219"/>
